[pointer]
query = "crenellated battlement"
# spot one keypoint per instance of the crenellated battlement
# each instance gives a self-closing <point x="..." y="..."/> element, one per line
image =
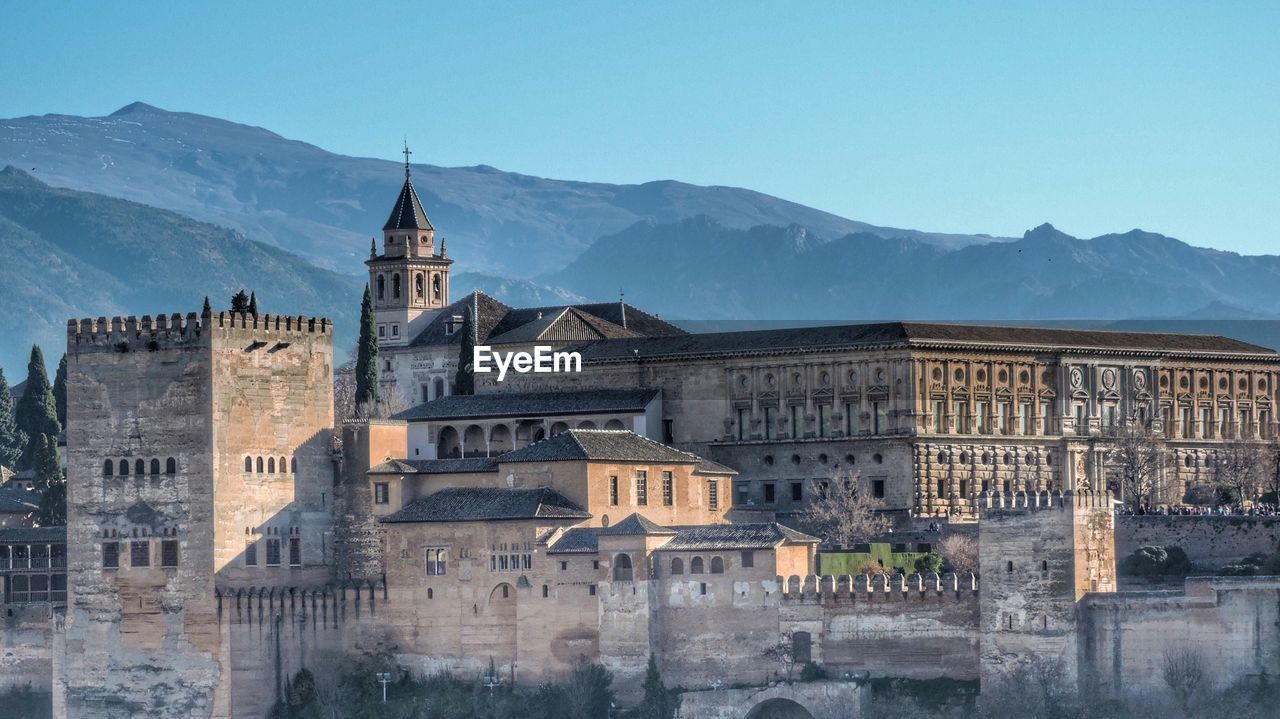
<point x="880" y="588"/>
<point x="125" y="334"/>
<point x="1045" y="500"/>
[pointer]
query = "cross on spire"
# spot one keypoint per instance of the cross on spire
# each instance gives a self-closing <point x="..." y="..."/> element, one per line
<point x="407" y="152"/>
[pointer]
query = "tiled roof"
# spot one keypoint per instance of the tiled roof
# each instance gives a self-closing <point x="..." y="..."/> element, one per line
<point x="545" y="328"/>
<point x="706" y="466"/>
<point x="15" y="500"/>
<point x="497" y="321"/>
<point x="615" y="313"/>
<point x="472" y="504"/>
<point x="488" y="312"/>
<point x="599" y="444"/>
<point x="734" y="536"/>
<point x="578" y="540"/>
<point x="408" y="213"/>
<point x="636" y="525"/>
<point x="52" y="535"/>
<point x="531" y="404"/>
<point x="909" y="334"/>
<point x="460" y="465"/>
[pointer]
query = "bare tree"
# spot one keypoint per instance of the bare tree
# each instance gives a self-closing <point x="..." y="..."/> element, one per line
<point x="1185" y="672"/>
<point x="960" y="551"/>
<point x="344" y="393"/>
<point x="1136" y="456"/>
<point x="844" y="512"/>
<point x="783" y="653"/>
<point x="1240" y="465"/>
<point x="1271" y="470"/>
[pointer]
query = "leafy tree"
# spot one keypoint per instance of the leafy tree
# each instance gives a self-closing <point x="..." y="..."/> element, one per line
<point x="60" y="391"/>
<point x="240" y="302"/>
<point x="50" y="482"/>
<point x="208" y="308"/>
<point x="929" y="563"/>
<point x="465" y="380"/>
<point x="12" y="439"/>
<point x="1151" y="562"/>
<point x="843" y="512"/>
<point x="37" y="412"/>
<point x="367" y="356"/>
<point x="253" y="304"/>
<point x="658" y="701"/>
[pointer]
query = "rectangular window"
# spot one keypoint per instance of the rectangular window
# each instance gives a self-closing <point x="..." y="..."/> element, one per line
<point x="961" y="412"/>
<point x="742" y="424"/>
<point x="1082" y="422"/>
<point x="770" y="493"/>
<point x="878" y="417"/>
<point x="426" y="393"/>
<point x="1004" y="417"/>
<point x="797" y="421"/>
<point x="382" y="330"/>
<point x="797" y="491"/>
<point x="642" y="488"/>
<point x="140" y="553"/>
<point x="251" y="553"/>
<point x="273" y="551"/>
<point x="851" y="424"/>
<point x="1188" y="429"/>
<point x="1264" y="423"/>
<point x="1046" y="416"/>
<point x="713" y="495"/>
<point x="984" y="418"/>
<point x="824" y="417"/>
<point x="436" y="560"/>
<point x="1111" y="416"/>
<point x="1206" y="422"/>
<point x="591" y="589"/>
<point x="744" y="492"/>
<point x="668" y="431"/>
<point x="295" y="551"/>
<point x="169" y="553"/>
<point x="395" y="330"/>
<point x="1024" y="418"/>
<point x="939" y="417"/>
<point x="1246" y="424"/>
<point x="748" y="559"/>
<point x="111" y="555"/>
<point x="769" y="420"/>
<point x="877" y="488"/>
<point x="381" y="493"/>
<point x="613" y="490"/>
<point x="668" y="489"/>
<point x="1224" y="423"/>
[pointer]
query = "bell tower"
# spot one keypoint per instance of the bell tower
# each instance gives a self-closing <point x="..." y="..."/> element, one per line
<point x="409" y="279"/>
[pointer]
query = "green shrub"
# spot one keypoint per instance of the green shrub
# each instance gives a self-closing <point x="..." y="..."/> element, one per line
<point x="1237" y="570"/>
<point x="931" y="562"/>
<point x="1152" y="562"/>
<point x="813" y="673"/>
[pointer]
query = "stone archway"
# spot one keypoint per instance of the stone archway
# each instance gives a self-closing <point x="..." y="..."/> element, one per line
<point x="449" y="445"/>
<point x="779" y="708"/>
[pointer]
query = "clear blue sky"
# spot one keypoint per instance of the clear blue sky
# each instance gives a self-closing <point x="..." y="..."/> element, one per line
<point x="960" y="117"/>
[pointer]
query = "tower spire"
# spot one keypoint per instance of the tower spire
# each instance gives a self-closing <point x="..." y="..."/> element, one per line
<point x="407" y="152"/>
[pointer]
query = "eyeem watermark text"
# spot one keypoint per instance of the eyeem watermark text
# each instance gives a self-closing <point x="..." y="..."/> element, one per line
<point x="541" y="361"/>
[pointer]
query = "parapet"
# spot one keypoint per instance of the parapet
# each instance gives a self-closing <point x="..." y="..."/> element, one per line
<point x="880" y="587"/>
<point x="1087" y="499"/>
<point x="147" y="333"/>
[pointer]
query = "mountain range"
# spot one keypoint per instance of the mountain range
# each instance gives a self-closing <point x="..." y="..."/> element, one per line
<point x="145" y="211"/>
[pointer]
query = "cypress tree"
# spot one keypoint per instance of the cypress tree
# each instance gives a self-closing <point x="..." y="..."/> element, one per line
<point x="367" y="356"/>
<point x="240" y="303"/>
<point x="657" y="702"/>
<point x="253" y="303"/>
<point x="12" y="440"/>
<point x="49" y="481"/>
<point x="465" y="380"/>
<point x="60" y="391"/>
<point x="37" y="412"/>
<point x="208" y="308"/>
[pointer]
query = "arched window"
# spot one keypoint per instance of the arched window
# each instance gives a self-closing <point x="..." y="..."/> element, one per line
<point x="1044" y="566"/>
<point x="717" y="565"/>
<point x="677" y="566"/>
<point x="435" y="287"/>
<point x="124" y="468"/>
<point x="259" y="465"/>
<point x="418" y="285"/>
<point x="108" y="468"/>
<point x="293" y="465"/>
<point x="695" y="566"/>
<point x="155" y="466"/>
<point x="271" y="465"/>
<point x="395" y="286"/>
<point x="622" y="570"/>
<point x="382" y="287"/>
<point x="171" y="466"/>
<point x="284" y="465"/>
<point x="248" y="464"/>
<point x="139" y="467"/>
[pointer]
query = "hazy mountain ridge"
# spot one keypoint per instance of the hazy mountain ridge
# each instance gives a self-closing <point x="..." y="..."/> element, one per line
<point x="324" y="206"/>
<point x="707" y="271"/>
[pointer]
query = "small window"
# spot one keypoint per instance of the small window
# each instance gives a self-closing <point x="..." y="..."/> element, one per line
<point x="284" y="465"/>
<point x="748" y="559"/>
<point x="139" y="467"/>
<point x="273" y="551"/>
<point x="251" y="553"/>
<point x="702" y="589"/>
<point x="140" y="553"/>
<point x="381" y="493"/>
<point x="169" y="553"/>
<point x="622" y="570"/>
<point x="293" y="465"/>
<point x="110" y="555"/>
<point x="797" y="491"/>
<point x="668" y="489"/>
<point x="717" y="565"/>
<point x="108" y="468"/>
<point x="713" y="495"/>
<point x="171" y="466"/>
<point x="642" y="488"/>
<point x="1009" y="567"/>
<point x="155" y="466"/>
<point x="877" y="488"/>
<point x="564" y="566"/>
<point x="248" y="464"/>
<point x="591" y="590"/>
<point x="259" y="465"/>
<point x="295" y="551"/>
<point x="271" y="465"/>
<point x="770" y="493"/>
<point x="613" y="490"/>
<point x="430" y="594"/>
<point x="677" y="567"/>
<point x="437" y="561"/>
<point x="1044" y="566"/>
<point x="124" y="468"/>
<point x="695" y="566"/>
<point x="546" y="591"/>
